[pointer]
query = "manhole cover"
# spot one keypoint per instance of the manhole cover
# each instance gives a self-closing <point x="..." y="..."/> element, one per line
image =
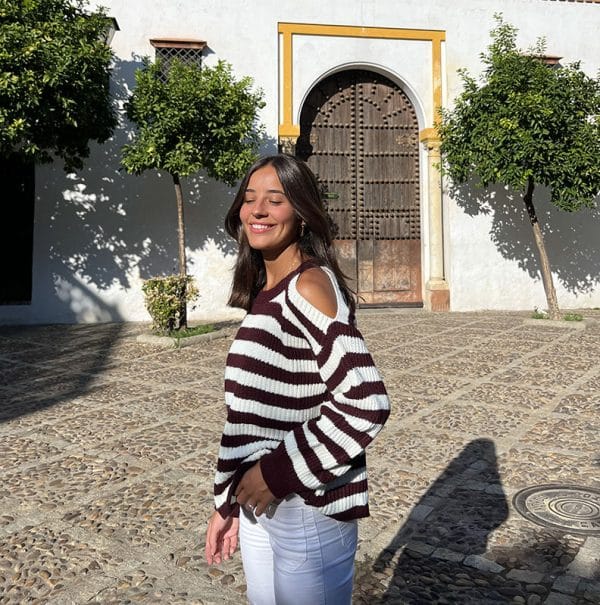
<point x="570" y="508"/>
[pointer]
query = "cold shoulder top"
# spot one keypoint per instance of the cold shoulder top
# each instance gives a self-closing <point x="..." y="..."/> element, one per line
<point x="304" y="397"/>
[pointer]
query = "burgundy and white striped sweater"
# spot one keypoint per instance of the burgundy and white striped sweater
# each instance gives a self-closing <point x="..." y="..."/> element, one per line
<point x="304" y="397"/>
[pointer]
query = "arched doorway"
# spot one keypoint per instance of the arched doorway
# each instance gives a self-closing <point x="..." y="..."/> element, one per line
<point x="359" y="134"/>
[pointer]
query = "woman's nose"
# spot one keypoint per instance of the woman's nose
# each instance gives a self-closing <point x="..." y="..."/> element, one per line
<point x="259" y="208"/>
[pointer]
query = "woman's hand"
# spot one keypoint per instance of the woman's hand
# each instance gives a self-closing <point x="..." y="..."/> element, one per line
<point x="221" y="538"/>
<point x="252" y="491"/>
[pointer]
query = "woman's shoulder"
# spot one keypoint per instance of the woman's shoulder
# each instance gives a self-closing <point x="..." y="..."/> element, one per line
<point x="315" y="286"/>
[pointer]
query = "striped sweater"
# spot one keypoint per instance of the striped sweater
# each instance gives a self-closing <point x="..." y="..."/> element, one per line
<point x="304" y="397"/>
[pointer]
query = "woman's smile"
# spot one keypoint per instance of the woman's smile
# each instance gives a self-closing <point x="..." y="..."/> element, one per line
<point x="260" y="227"/>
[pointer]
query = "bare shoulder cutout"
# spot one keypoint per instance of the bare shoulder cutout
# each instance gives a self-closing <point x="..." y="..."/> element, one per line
<point x="315" y="286"/>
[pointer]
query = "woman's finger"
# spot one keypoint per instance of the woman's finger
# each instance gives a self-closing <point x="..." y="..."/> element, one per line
<point x="233" y="544"/>
<point x="225" y="548"/>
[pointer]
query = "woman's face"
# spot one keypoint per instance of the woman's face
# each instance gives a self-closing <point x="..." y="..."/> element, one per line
<point x="268" y="218"/>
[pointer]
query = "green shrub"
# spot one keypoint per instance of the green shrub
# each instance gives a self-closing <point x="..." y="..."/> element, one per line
<point x="164" y="296"/>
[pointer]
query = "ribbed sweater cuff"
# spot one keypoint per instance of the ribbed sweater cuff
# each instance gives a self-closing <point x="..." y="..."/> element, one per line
<point x="277" y="471"/>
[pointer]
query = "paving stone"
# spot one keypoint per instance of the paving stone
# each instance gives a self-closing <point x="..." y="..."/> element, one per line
<point x="178" y="401"/>
<point x="515" y="395"/>
<point x="587" y="562"/>
<point x="482" y="564"/>
<point x="566" y="583"/>
<point x="447" y="555"/>
<point x="404" y="404"/>
<point x="558" y="598"/>
<point x="579" y="403"/>
<point x="458" y="366"/>
<point x="420" y="512"/>
<point x="524" y="575"/>
<point x="428" y="385"/>
<point x="55" y="484"/>
<point x="163" y="443"/>
<point x="591" y="590"/>
<point x="24" y="450"/>
<point x="425" y="448"/>
<point x="108" y="448"/>
<point x="578" y="434"/>
<point x="419" y="547"/>
<point x="538" y="377"/>
<point x="145" y="514"/>
<point x="526" y="466"/>
<point x="39" y="563"/>
<point x="591" y="385"/>
<point x="475" y="420"/>
<point x="92" y="427"/>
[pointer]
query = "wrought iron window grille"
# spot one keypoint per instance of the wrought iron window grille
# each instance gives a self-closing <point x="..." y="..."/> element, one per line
<point x="189" y="52"/>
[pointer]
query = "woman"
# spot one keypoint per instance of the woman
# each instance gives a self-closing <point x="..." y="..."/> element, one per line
<point x="303" y="396"/>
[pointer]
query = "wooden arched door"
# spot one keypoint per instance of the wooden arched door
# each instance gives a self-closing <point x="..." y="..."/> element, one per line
<point x="359" y="134"/>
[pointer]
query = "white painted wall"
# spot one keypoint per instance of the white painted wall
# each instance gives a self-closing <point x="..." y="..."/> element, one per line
<point x="100" y="233"/>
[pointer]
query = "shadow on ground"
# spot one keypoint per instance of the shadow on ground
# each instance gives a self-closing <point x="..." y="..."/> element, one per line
<point x="443" y="552"/>
<point x="43" y="366"/>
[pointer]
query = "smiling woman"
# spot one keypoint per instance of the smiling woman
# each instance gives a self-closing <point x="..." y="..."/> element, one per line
<point x="278" y="185"/>
<point x="303" y="396"/>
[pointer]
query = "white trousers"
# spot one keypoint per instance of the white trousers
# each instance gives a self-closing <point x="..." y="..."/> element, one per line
<point x="297" y="557"/>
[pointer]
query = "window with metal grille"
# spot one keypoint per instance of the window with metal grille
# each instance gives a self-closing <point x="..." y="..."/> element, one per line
<point x="187" y="51"/>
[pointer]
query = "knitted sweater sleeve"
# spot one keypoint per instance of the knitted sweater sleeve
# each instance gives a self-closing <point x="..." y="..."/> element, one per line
<point x="322" y="449"/>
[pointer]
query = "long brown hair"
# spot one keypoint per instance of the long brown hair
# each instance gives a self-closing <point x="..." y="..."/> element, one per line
<point x="315" y="242"/>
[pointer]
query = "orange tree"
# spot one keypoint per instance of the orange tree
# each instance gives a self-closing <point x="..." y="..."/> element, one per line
<point x="188" y="119"/>
<point x="54" y="80"/>
<point x="526" y="124"/>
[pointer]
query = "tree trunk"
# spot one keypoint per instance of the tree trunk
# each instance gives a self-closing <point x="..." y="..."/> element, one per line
<point x="182" y="257"/>
<point x="553" y="310"/>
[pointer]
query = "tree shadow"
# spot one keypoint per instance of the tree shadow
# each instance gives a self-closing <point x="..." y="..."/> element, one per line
<point x="98" y="232"/>
<point x="46" y="365"/>
<point x="571" y="237"/>
<point x="109" y="229"/>
<point x="449" y="524"/>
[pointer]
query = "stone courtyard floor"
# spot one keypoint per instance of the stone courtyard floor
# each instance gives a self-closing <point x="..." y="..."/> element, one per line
<point x="108" y="448"/>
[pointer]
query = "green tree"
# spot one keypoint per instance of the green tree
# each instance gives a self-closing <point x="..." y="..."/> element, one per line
<point x="54" y="80"/>
<point x="190" y="119"/>
<point x="523" y="125"/>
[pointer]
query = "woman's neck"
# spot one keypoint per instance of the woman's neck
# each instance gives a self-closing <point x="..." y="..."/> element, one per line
<point x="282" y="265"/>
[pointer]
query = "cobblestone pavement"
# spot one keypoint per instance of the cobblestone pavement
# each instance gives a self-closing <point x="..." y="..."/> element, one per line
<point x="108" y="448"/>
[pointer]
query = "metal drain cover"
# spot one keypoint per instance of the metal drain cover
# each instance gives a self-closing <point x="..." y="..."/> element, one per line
<point x="571" y="508"/>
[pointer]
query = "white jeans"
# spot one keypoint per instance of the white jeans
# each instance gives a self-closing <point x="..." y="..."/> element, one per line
<point x="297" y="557"/>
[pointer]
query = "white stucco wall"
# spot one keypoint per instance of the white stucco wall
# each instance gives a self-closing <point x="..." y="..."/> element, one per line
<point x="491" y="261"/>
<point x="99" y="233"/>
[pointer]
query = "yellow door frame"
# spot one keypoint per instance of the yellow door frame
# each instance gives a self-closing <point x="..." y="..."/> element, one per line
<point x="436" y="295"/>
<point x="287" y="128"/>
